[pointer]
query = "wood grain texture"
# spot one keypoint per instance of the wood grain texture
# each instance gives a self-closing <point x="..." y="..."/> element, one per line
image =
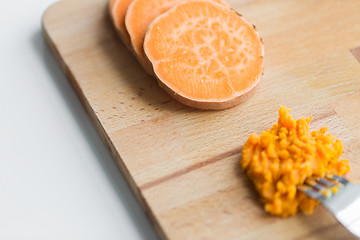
<point x="182" y="163"/>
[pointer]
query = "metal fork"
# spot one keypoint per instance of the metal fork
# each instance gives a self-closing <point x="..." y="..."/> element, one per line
<point x="344" y="205"/>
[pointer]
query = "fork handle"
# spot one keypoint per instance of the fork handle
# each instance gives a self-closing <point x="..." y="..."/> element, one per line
<point x="345" y="206"/>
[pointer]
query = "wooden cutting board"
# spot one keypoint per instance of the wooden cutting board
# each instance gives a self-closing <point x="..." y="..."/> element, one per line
<point x="183" y="163"/>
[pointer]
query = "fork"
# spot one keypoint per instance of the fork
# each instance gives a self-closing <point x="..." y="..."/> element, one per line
<point x="344" y="205"/>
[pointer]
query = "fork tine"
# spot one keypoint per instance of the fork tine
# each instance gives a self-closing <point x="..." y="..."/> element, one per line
<point x="339" y="179"/>
<point x="326" y="182"/>
<point x="312" y="193"/>
<point x="322" y="188"/>
<point x="314" y="184"/>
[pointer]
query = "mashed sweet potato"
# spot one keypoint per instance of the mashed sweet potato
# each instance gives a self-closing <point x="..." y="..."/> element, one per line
<point x="281" y="158"/>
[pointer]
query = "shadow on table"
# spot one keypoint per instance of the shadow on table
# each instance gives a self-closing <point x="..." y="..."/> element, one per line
<point x="120" y="186"/>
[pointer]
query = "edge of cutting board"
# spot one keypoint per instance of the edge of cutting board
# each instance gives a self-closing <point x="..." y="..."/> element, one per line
<point x="104" y="136"/>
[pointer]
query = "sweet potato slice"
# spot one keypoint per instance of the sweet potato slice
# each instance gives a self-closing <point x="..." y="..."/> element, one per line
<point x="111" y="4"/>
<point x="138" y="18"/>
<point x="205" y="55"/>
<point x="118" y="10"/>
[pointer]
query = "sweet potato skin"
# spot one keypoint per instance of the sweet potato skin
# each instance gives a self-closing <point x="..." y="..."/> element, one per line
<point x="206" y="105"/>
<point x="119" y="24"/>
<point x="122" y="32"/>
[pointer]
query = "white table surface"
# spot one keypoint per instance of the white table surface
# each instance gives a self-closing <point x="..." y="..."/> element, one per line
<point x="57" y="179"/>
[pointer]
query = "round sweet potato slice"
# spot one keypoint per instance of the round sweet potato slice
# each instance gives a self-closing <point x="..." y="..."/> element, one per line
<point x="138" y="18"/>
<point x="204" y="54"/>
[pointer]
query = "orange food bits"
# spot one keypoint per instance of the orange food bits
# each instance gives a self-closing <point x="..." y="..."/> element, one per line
<point x="284" y="157"/>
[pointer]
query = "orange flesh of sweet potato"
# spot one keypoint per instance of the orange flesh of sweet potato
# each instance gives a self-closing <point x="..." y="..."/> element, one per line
<point x="138" y="18"/>
<point x="204" y="54"/>
<point x="117" y="10"/>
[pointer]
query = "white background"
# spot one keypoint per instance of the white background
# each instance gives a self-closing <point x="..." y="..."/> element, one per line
<point x="57" y="179"/>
